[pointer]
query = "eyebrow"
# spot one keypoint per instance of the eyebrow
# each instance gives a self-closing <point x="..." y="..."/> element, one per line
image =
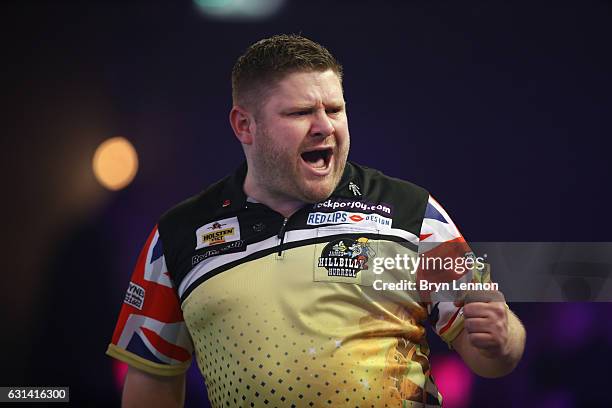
<point x="300" y="107"/>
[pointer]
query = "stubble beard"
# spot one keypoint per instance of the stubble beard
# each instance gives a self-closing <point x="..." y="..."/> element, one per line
<point x="277" y="173"/>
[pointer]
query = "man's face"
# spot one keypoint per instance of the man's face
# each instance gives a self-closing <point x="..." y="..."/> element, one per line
<point x="301" y="141"/>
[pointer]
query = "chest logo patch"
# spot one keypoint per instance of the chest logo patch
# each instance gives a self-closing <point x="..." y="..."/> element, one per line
<point x="346" y="257"/>
<point x="218" y="232"/>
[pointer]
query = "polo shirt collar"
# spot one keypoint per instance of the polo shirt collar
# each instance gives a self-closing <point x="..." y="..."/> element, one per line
<point x="234" y="198"/>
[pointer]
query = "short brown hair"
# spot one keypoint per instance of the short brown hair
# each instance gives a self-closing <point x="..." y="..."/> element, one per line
<point x="271" y="59"/>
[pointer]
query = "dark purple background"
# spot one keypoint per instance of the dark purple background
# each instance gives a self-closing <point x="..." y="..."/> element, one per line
<point x="501" y="109"/>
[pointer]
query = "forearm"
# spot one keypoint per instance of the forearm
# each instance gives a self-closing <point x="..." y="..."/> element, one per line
<point x="493" y="366"/>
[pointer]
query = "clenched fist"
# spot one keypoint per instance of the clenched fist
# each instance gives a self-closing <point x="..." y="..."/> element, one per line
<point x="486" y="322"/>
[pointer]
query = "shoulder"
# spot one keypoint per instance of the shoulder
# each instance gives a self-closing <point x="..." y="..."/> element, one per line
<point x="178" y="226"/>
<point x="224" y="196"/>
<point x="407" y="201"/>
<point x="190" y="210"/>
<point x="375" y="181"/>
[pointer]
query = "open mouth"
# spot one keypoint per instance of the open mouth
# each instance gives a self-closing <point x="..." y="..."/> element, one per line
<point x="318" y="159"/>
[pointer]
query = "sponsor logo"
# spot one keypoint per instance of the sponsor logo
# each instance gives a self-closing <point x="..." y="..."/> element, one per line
<point x="260" y="226"/>
<point x="217" y="237"/>
<point x="218" y="232"/>
<point x="343" y="217"/>
<point x="346" y="257"/>
<point x="362" y="206"/>
<point x="231" y="247"/>
<point x="135" y="296"/>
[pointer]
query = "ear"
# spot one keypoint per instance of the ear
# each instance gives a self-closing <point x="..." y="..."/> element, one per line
<point x="243" y="124"/>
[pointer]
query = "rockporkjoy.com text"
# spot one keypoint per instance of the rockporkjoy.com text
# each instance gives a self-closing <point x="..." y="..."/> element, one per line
<point x="424" y="262"/>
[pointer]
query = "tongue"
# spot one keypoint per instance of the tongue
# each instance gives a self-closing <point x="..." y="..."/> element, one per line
<point x="319" y="163"/>
<point x="314" y="159"/>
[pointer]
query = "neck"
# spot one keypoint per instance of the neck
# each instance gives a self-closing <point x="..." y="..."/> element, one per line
<point x="286" y="206"/>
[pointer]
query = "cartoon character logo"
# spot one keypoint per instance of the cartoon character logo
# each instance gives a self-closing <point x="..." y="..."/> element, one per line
<point x="362" y="252"/>
<point x="346" y="257"/>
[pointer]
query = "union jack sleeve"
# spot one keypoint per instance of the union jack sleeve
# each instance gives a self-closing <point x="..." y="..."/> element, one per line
<point x="151" y="334"/>
<point x="440" y="239"/>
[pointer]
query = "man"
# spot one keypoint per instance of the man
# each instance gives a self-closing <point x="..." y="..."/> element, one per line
<point x="268" y="275"/>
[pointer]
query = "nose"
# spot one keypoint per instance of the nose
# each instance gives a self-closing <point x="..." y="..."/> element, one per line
<point x="321" y="124"/>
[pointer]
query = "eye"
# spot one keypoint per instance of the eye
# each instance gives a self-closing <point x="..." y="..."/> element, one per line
<point x="333" y="111"/>
<point x="301" y="113"/>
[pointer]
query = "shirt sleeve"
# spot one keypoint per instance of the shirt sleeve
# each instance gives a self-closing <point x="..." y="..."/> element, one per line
<point x="439" y="241"/>
<point x="151" y="334"/>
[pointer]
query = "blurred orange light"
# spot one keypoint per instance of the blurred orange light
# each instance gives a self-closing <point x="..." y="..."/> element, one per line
<point x="115" y="163"/>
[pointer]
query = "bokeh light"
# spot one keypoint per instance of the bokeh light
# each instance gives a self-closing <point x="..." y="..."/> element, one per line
<point x="239" y="9"/>
<point x="115" y="163"/>
<point x="454" y="380"/>
<point x="120" y="370"/>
